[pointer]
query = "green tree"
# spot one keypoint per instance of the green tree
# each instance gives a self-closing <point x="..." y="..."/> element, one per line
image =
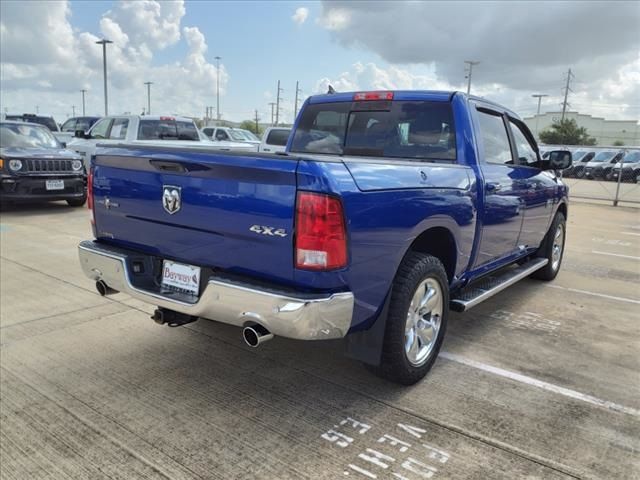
<point x="566" y="132"/>
<point x="251" y="126"/>
<point x="618" y="143"/>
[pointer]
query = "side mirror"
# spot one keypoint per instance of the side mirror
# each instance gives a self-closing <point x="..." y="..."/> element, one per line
<point x="80" y="134"/>
<point x="557" y="160"/>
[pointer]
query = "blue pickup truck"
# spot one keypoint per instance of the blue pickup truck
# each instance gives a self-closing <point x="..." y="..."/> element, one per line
<point x="386" y="210"/>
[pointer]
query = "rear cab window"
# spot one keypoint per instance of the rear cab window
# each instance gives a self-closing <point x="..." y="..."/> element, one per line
<point x="278" y="137"/>
<point x="420" y="130"/>
<point x="167" y="129"/>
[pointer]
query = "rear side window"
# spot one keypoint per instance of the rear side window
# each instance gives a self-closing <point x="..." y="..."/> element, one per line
<point x="278" y="137"/>
<point x="396" y="129"/>
<point x="495" y="139"/>
<point x="167" y="130"/>
<point x="221" y="135"/>
<point x="119" y="129"/>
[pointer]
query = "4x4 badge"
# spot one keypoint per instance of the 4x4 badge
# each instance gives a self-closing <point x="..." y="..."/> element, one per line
<point x="171" y="199"/>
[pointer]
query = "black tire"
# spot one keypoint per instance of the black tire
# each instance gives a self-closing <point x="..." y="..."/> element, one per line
<point x="580" y="173"/>
<point x="395" y="365"/>
<point x="550" y="270"/>
<point x="77" y="202"/>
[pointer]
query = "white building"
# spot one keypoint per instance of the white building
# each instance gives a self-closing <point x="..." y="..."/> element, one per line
<point x="606" y="132"/>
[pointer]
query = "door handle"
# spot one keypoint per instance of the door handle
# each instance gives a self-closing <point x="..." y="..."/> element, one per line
<point x="493" y="187"/>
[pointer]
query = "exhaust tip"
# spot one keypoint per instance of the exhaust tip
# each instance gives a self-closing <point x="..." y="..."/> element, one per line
<point x="254" y="335"/>
<point x="104" y="289"/>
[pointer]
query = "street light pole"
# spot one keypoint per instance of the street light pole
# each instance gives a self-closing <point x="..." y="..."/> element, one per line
<point x="83" y="92"/>
<point x="104" y="43"/>
<point x="471" y="63"/>
<point x="148" y="84"/>
<point x="73" y="110"/>
<point x="539" y="97"/>
<point x="218" y="87"/>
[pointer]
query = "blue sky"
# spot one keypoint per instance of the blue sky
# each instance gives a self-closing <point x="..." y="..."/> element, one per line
<point x="48" y="53"/>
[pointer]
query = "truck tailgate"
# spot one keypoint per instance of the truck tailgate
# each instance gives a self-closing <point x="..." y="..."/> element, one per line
<point x="228" y="211"/>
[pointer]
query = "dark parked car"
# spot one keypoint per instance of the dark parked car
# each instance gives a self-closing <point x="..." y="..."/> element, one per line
<point x="602" y="164"/>
<point x="35" y="166"/>
<point x="580" y="159"/>
<point x="46" y="120"/>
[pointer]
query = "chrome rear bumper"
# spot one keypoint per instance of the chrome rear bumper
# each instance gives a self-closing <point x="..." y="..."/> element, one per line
<point x="304" y="317"/>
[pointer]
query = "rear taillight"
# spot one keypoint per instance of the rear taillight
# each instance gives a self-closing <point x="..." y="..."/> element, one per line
<point x="90" y="195"/>
<point x="321" y="239"/>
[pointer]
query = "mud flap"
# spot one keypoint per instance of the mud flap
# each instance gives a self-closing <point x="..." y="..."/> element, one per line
<point x="366" y="345"/>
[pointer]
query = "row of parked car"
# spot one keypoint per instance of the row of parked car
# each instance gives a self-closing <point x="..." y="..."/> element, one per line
<point x="40" y="160"/>
<point x="602" y="163"/>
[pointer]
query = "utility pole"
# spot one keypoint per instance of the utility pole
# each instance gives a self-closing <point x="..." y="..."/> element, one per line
<point x="278" y="103"/>
<point x="295" y="105"/>
<point x="37" y="109"/>
<point x="73" y="110"/>
<point x="83" y="92"/>
<point x="539" y="96"/>
<point x="272" y="105"/>
<point x="471" y="63"/>
<point x="148" y="84"/>
<point x="566" y="94"/>
<point x="257" y="126"/>
<point x="218" y="87"/>
<point x="104" y="43"/>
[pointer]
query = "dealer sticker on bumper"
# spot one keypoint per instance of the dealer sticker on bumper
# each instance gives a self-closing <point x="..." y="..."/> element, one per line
<point x="181" y="276"/>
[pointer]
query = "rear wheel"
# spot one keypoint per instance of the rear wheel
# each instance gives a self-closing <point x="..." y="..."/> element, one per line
<point x="417" y="319"/>
<point x="552" y="249"/>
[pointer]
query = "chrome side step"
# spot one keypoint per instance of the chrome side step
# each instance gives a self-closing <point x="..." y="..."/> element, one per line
<point x="487" y="287"/>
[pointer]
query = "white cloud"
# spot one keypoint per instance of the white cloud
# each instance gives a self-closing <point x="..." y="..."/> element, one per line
<point x="65" y="61"/>
<point x="335" y="19"/>
<point x="300" y="16"/>
<point x="370" y="76"/>
<point x="616" y="98"/>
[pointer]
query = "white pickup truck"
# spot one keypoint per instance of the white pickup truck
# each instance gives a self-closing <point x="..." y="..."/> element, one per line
<point x="147" y="130"/>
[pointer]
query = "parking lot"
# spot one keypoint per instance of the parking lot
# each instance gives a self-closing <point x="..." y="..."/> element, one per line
<point x="541" y="381"/>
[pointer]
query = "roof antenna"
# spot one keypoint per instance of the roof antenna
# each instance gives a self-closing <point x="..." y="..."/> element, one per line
<point x="331" y="90"/>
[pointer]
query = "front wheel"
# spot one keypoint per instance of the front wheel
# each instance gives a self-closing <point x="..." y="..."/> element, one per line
<point x="416" y="321"/>
<point x="552" y="249"/>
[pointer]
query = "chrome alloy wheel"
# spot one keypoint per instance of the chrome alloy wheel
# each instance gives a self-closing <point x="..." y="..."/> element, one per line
<point x="558" y="245"/>
<point x="423" y="321"/>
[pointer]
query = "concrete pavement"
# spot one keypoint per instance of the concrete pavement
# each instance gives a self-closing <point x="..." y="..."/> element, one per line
<point x="542" y="381"/>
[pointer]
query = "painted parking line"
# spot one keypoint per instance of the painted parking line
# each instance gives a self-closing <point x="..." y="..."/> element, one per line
<point x="615" y="255"/>
<point x="595" y="294"/>
<point x="518" y="377"/>
<point x="631" y="233"/>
